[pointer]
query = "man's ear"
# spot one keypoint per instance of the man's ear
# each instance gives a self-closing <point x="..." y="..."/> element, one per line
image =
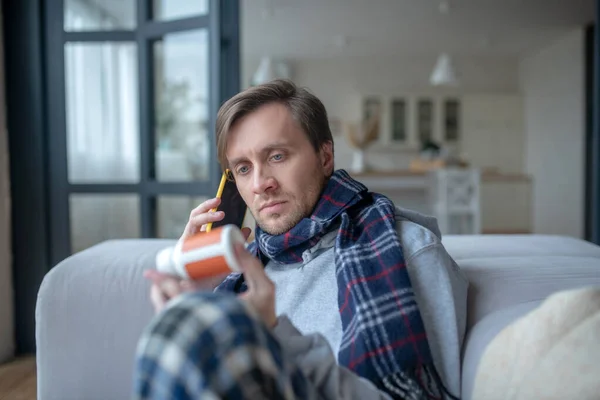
<point x="327" y="160"/>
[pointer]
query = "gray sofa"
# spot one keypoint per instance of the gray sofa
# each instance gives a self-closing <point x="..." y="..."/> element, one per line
<point x="93" y="306"/>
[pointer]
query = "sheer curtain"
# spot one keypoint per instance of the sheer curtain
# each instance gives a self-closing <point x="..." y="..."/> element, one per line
<point x="102" y="131"/>
<point x="102" y="121"/>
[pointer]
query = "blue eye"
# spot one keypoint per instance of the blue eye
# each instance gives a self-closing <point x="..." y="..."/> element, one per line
<point x="242" y="170"/>
<point x="277" y="157"/>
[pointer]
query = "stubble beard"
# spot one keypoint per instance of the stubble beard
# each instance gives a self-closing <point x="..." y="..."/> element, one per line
<point x="281" y="223"/>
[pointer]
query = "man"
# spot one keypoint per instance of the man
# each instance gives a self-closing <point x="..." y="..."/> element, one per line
<point x="357" y="298"/>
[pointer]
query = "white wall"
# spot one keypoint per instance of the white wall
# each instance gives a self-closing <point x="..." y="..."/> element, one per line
<point x="493" y="132"/>
<point x="341" y="82"/>
<point x="492" y="119"/>
<point x="552" y="82"/>
<point x="6" y="290"/>
<point x="385" y="74"/>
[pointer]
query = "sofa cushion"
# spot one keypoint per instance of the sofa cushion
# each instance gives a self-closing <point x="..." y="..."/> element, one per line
<point x="481" y="335"/>
<point x="462" y="247"/>
<point x="551" y="353"/>
<point x="91" y="310"/>
<point x="497" y="283"/>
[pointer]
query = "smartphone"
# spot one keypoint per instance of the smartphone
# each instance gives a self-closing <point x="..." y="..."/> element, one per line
<point x="232" y="203"/>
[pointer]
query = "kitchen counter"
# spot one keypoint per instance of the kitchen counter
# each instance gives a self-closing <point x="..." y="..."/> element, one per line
<point x="505" y="197"/>
<point x="486" y="176"/>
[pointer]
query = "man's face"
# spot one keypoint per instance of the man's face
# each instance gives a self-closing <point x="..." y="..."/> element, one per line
<point x="277" y="171"/>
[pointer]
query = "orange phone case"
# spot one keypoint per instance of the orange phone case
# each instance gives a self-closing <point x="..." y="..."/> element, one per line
<point x="219" y="194"/>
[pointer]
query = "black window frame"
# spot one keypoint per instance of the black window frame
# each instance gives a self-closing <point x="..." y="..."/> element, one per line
<point x="592" y="127"/>
<point x="34" y="40"/>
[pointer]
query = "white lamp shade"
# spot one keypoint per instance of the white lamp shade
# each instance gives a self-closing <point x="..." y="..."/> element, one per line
<point x="443" y="74"/>
<point x="269" y="70"/>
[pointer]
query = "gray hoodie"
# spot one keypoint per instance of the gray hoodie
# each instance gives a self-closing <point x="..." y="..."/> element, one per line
<point x="309" y="326"/>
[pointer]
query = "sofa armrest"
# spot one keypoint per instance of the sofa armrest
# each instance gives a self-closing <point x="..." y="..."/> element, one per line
<point x="508" y="270"/>
<point x="90" y="312"/>
<point x="505" y="282"/>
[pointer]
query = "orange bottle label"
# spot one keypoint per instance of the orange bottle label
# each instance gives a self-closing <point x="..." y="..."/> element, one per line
<point x="202" y="239"/>
<point x="207" y="267"/>
<point x="208" y="247"/>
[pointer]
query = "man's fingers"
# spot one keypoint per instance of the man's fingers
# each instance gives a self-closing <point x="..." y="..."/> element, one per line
<point x="157" y="298"/>
<point x="196" y="223"/>
<point x="205" y="218"/>
<point x="167" y="284"/>
<point x="156" y="276"/>
<point x="254" y="273"/>
<point x="170" y="288"/>
<point x="246" y="232"/>
<point x="261" y="290"/>
<point x="205" y="284"/>
<point x="205" y="206"/>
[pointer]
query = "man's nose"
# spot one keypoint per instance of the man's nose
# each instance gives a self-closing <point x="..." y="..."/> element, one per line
<point x="263" y="181"/>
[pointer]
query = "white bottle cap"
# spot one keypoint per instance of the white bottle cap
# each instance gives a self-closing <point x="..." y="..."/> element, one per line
<point x="164" y="260"/>
<point x="230" y="237"/>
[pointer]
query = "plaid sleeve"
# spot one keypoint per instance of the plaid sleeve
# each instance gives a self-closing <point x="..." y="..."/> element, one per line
<point x="208" y="346"/>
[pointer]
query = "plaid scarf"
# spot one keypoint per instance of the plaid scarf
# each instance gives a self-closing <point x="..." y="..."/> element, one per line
<point x="383" y="338"/>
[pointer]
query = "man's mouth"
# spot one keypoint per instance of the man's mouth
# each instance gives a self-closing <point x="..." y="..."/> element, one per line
<point x="272" y="206"/>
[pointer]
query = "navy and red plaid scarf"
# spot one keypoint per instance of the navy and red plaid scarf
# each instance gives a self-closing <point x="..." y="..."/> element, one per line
<point x="383" y="338"/>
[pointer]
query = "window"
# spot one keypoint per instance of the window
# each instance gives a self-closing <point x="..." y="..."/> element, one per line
<point x="425" y="120"/>
<point x="451" y="120"/>
<point x="132" y="117"/>
<point x="399" y="128"/>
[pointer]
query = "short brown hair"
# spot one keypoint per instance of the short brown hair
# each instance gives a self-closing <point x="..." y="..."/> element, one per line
<point x="305" y="107"/>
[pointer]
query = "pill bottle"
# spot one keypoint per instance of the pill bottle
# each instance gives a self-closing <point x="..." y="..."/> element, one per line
<point x="202" y="255"/>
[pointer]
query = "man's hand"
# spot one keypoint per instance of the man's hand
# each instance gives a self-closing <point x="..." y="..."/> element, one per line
<point x="261" y="290"/>
<point x="201" y="216"/>
<point x="164" y="286"/>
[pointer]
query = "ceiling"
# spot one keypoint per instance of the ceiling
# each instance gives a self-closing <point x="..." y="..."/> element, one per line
<point x="327" y="28"/>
